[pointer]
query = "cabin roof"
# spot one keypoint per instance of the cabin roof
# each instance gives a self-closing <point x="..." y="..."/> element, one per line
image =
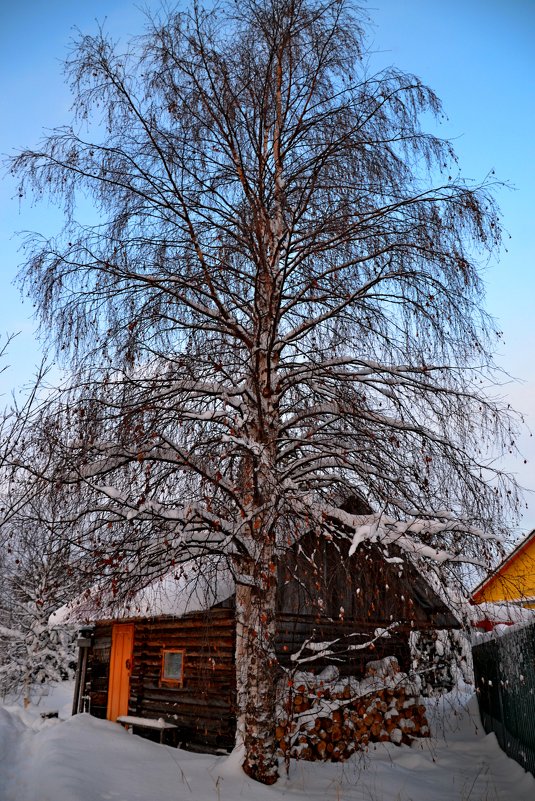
<point x="198" y="588"/>
<point x="195" y="587"/>
<point x="178" y="593"/>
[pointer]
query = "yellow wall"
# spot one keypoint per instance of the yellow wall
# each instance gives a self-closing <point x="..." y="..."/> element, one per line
<point x="515" y="581"/>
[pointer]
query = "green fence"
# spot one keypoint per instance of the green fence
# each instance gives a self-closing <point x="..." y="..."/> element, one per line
<point x="504" y="670"/>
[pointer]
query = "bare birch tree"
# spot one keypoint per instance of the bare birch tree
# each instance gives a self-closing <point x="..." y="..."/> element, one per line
<point x="278" y="307"/>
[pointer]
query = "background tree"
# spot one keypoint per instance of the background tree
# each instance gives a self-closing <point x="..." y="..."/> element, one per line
<point x="36" y="578"/>
<point x="277" y="307"/>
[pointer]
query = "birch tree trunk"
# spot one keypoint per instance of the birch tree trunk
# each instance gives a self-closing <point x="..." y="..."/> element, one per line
<point x="256" y="587"/>
<point x="255" y="676"/>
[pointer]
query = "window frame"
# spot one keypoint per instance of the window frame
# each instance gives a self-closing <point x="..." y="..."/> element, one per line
<point x="172" y="682"/>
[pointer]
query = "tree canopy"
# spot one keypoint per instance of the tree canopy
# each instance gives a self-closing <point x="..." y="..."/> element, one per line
<point x="278" y="307"/>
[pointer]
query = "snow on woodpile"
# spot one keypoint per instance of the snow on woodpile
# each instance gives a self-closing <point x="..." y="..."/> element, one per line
<point x="189" y="588"/>
<point x="326" y="718"/>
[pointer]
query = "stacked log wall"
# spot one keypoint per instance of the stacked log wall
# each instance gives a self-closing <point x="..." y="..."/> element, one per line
<point x="98" y="667"/>
<point x="204" y="706"/>
<point x="317" y="578"/>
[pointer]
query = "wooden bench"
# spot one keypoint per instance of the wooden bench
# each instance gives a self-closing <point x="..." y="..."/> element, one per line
<point x="130" y="722"/>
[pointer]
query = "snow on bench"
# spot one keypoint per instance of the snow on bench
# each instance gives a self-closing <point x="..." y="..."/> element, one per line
<point x="159" y="724"/>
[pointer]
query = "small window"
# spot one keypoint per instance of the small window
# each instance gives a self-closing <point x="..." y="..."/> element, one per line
<point x="172" y="667"/>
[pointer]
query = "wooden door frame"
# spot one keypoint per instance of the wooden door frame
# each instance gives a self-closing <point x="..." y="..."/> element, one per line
<point x="114" y="656"/>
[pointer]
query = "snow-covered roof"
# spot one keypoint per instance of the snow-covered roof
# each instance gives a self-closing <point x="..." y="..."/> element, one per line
<point x="511" y="621"/>
<point x="190" y="588"/>
<point x="498" y="613"/>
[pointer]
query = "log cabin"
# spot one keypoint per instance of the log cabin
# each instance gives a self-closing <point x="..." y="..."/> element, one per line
<point x="169" y="657"/>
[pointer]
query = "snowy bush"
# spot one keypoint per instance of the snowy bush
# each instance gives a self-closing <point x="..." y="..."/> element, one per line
<point x="35" y="579"/>
<point x="34" y="656"/>
<point x="442" y="659"/>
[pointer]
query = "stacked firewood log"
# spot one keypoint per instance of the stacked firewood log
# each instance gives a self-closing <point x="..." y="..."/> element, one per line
<point x="325" y="722"/>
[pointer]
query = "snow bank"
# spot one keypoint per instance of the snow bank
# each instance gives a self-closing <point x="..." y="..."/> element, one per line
<point x="85" y="759"/>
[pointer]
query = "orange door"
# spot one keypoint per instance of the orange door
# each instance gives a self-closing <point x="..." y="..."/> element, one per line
<point x="122" y="643"/>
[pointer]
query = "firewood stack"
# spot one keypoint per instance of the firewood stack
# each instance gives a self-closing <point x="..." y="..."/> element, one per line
<point x="332" y="722"/>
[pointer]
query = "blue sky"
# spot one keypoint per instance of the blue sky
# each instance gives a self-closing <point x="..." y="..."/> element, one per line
<point x="478" y="55"/>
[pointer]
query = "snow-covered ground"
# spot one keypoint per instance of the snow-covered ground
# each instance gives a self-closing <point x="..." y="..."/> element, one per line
<point x="85" y="759"/>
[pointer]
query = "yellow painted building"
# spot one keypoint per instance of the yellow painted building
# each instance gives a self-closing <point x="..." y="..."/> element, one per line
<point x="513" y="580"/>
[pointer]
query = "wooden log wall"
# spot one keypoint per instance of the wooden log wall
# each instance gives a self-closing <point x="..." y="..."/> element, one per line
<point x="294" y="629"/>
<point x="97" y="675"/>
<point x="317" y="576"/>
<point x="204" y="706"/>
